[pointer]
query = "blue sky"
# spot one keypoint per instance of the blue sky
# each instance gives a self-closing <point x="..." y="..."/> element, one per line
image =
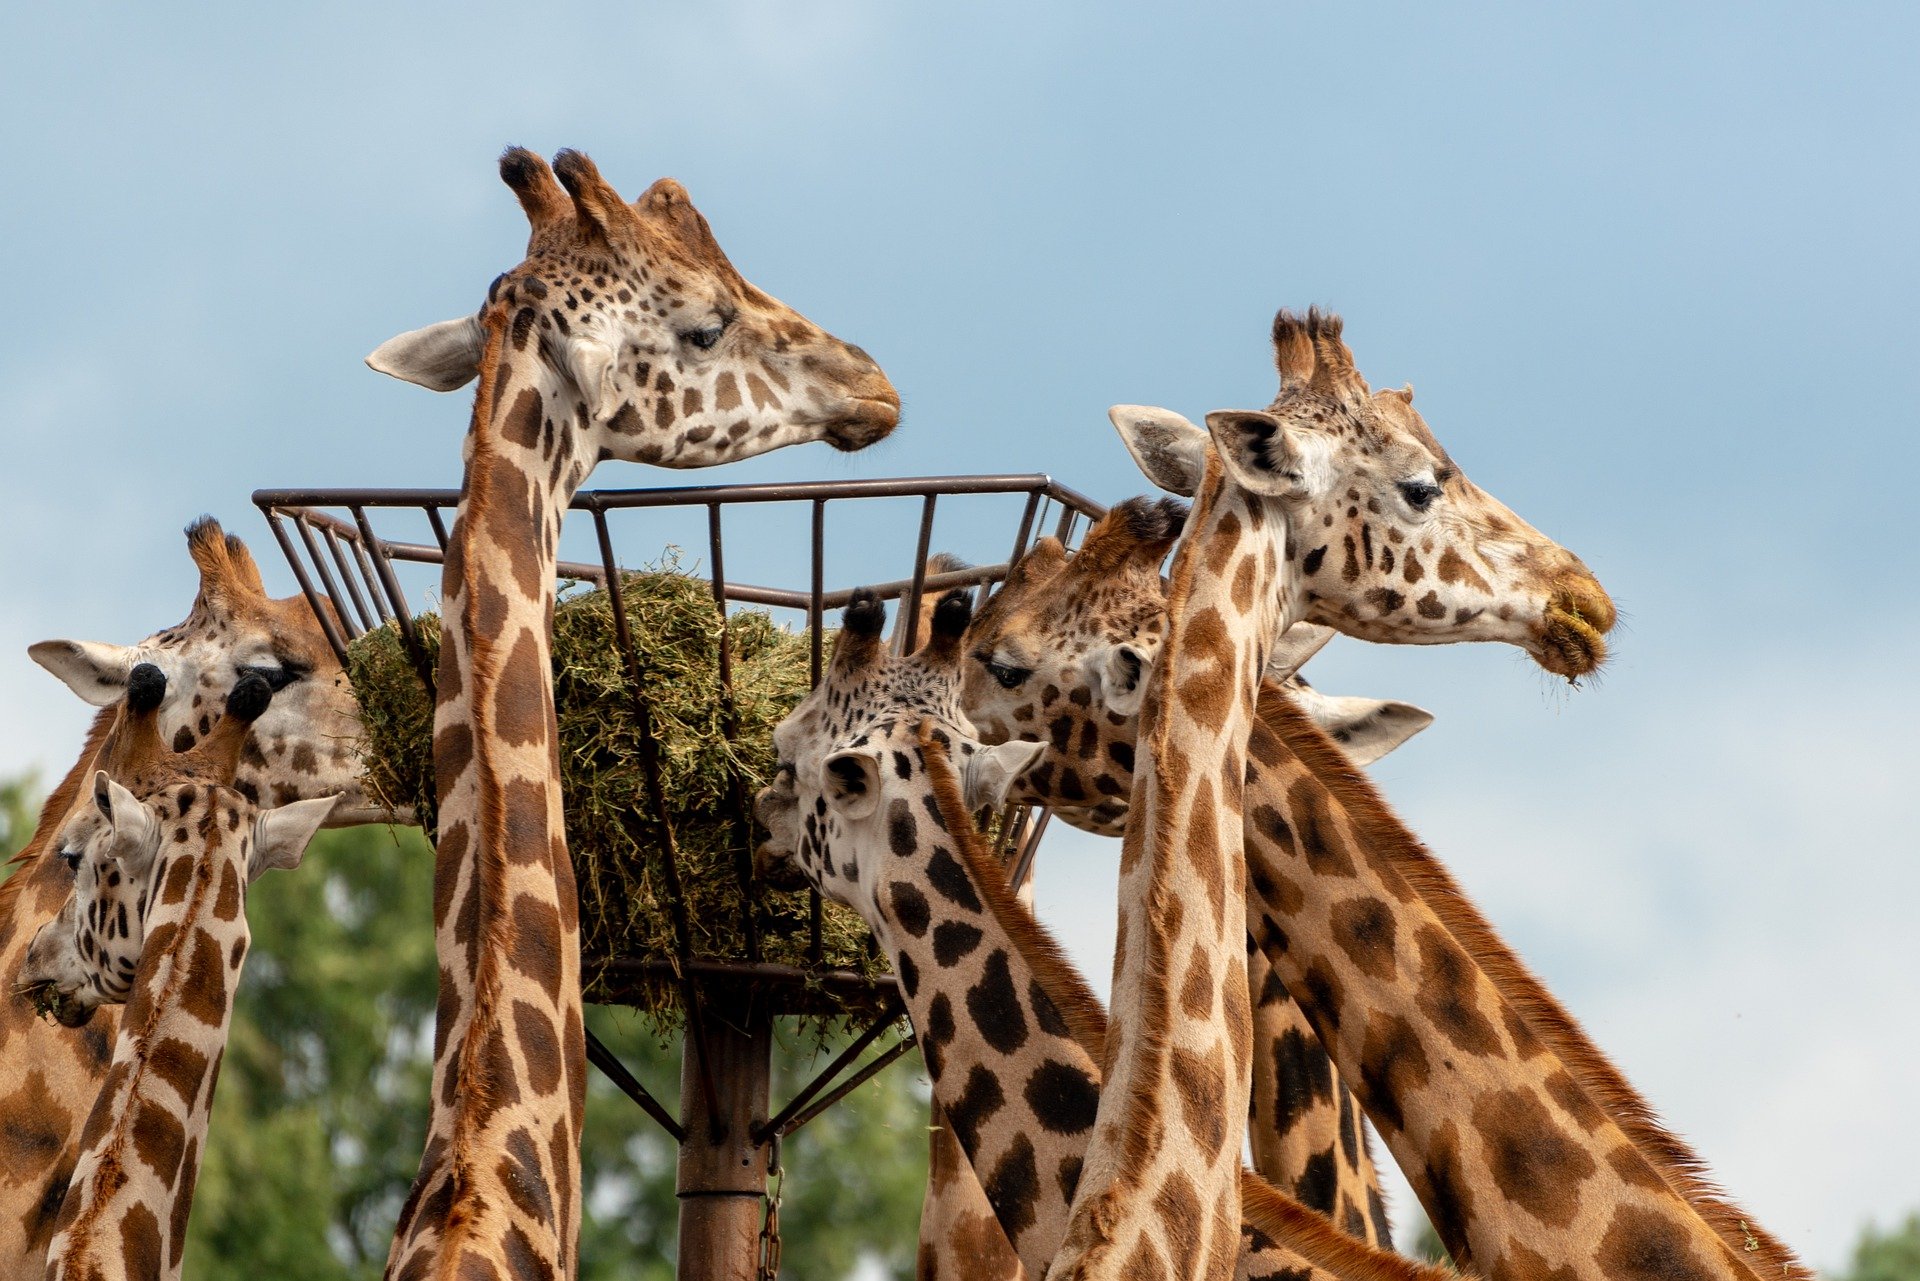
<point x="1650" y="271"/>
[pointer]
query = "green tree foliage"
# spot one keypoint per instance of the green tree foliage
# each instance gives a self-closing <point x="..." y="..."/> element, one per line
<point x="1420" y="1241"/>
<point x="19" y="811"/>
<point x="1893" y="1255"/>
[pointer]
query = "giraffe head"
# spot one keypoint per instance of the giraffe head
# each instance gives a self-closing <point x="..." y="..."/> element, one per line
<point x="1384" y="537"/>
<point x="857" y="737"/>
<point x="306" y="744"/>
<point x="151" y="816"/>
<point x="650" y="346"/>
<point x="1061" y="655"/>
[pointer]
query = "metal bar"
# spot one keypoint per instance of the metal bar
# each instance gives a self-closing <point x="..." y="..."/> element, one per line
<point x="439" y="529"/>
<point x="765" y="973"/>
<point x="614" y="1070"/>
<point x="369" y="575"/>
<point x="326" y="579"/>
<point x="912" y="605"/>
<point x="1013" y="823"/>
<point x="323" y="616"/>
<point x="815" y="606"/>
<point x="730" y="728"/>
<point x="1064" y="530"/>
<point x="347" y="576"/>
<point x="697" y="495"/>
<point x="1076" y="500"/>
<point x="402" y="615"/>
<point x="761" y="1133"/>
<point x="1019" y="541"/>
<point x="1029" y="850"/>
<point x="657" y="802"/>
<point x="852" y="1083"/>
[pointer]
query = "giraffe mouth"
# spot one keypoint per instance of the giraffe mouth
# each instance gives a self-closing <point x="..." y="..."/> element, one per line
<point x="863" y="422"/>
<point x="63" y="1007"/>
<point x="1572" y="637"/>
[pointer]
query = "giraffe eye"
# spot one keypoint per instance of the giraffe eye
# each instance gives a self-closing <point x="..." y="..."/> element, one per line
<point x="707" y="335"/>
<point x="71" y="858"/>
<point x="1009" y="677"/>
<point x="1419" y="493"/>
<point x="277" y="677"/>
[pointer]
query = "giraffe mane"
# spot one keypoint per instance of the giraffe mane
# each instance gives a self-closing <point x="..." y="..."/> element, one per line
<point x="1262" y="1205"/>
<point x="1381" y="831"/>
<point x="53" y="811"/>
<point x="473" y="1090"/>
<point x="1064" y="985"/>
<point x="1313" y="1236"/>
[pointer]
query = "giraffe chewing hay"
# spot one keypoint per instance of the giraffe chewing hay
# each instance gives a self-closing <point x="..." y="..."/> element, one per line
<point x="156" y="920"/>
<point x="303" y="746"/>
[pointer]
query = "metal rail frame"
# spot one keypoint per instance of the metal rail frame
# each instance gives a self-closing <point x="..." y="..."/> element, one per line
<point x="345" y="570"/>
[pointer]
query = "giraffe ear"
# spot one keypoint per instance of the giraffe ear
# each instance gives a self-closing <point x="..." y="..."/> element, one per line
<point x="441" y="357"/>
<point x="1296" y="645"/>
<point x="1121" y="674"/>
<point x="590" y="362"/>
<point x="280" y="836"/>
<point x="131" y="821"/>
<point x="1169" y="449"/>
<point x="852" y="779"/>
<point x="94" y="670"/>
<point x="990" y="773"/>
<point x="1263" y="456"/>
<point x="1364" y="728"/>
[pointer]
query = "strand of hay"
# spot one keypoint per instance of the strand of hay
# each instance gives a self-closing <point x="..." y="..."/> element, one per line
<point x="619" y="868"/>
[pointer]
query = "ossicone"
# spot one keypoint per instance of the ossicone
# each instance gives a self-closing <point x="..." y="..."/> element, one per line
<point x="865" y="615"/>
<point x="953" y="613"/>
<point x="532" y="183"/>
<point x="249" y="698"/>
<point x="146" y="688"/>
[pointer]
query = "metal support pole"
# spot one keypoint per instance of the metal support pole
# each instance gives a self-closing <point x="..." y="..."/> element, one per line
<point x="723" y="1171"/>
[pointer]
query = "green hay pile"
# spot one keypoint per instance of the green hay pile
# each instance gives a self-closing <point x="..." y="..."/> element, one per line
<point x="617" y="861"/>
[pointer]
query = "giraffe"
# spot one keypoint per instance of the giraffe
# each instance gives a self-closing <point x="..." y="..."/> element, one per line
<point x="624" y="334"/>
<point x="156" y="921"/>
<point x="304" y="745"/>
<point x="1306" y="1133"/>
<point x="1327" y="460"/>
<point x="1520" y="1137"/>
<point x="871" y="798"/>
<point x="1059" y="655"/>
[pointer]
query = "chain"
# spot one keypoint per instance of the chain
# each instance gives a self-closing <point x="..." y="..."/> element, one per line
<point x="770" y="1230"/>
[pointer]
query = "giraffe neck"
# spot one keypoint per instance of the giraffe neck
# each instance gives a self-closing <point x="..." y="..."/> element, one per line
<point x="126" y="1211"/>
<point x="1305" y="1130"/>
<point x="1164" y="1162"/>
<point x="1008" y="1029"/>
<point x="1511" y="1131"/>
<point x="49" y="1075"/>
<point x="502" y="1163"/>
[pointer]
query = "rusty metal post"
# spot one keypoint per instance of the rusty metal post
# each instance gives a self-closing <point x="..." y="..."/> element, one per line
<point x="723" y="1172"/>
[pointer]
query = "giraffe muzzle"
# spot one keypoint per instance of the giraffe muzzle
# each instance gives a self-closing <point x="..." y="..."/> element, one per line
<point x="63" y="1007"/>
<point x="1572" y="638"/>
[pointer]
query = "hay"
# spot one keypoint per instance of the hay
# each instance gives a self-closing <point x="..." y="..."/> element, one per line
<point x="617" y="859"/>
